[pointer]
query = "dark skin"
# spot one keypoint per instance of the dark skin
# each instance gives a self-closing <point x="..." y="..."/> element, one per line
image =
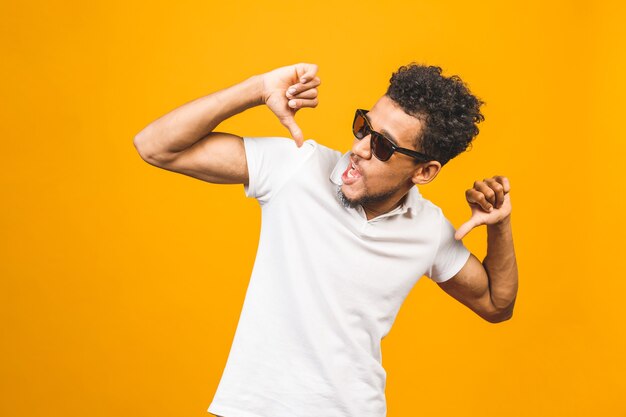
<point x="184" y="141"/>
<point x="488" y="288"/>
<point x="489" y="201"/>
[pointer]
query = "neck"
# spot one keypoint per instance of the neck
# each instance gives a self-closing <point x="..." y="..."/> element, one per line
<point x="372" y="211"/>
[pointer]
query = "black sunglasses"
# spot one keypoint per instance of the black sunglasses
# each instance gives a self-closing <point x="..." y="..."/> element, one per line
<point x="382" y="147"/>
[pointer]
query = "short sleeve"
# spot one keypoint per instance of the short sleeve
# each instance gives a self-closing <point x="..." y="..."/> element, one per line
<point x="451" y="253"/>
<point x="271" y="162"/>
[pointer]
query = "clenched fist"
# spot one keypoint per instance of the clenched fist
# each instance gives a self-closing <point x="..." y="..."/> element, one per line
<point x="288" y="89"/>
<point x="489" y="201"/>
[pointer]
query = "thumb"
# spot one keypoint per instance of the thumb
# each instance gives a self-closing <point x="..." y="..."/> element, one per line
<point x="465" y="229"/>
<point x="294" y="129"/>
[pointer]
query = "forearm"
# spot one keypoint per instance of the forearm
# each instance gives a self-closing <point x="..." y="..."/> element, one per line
<point x="187" y="124"/>
<point x="501" y="265"/>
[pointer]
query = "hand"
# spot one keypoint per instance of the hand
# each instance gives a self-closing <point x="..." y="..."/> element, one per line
<point x="277" y="96"/>
<point x="490" y="203"/>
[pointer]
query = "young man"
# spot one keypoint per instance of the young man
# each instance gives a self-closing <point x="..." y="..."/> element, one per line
<point x="344" y="237"/>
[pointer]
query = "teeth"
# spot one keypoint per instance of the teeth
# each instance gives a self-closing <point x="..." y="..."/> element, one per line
<point x="352" y="172"/>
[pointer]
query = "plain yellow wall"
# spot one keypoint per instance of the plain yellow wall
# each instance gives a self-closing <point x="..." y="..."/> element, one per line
<point x="121" y="284"/>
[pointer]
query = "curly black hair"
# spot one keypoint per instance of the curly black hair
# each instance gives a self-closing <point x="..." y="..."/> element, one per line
<point x="449" y="111"/>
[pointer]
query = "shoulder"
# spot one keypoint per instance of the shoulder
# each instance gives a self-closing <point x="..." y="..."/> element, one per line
<point x="324" y="151"/>
<point x="281" y="155"/>
<point x="430" y="209"/>
<point x="279" y="142"/>
<point x="276" y="152"/>
<point x="325" y="157"/>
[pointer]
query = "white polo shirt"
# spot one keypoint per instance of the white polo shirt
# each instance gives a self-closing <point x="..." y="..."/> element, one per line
<point x="325" y="288"/>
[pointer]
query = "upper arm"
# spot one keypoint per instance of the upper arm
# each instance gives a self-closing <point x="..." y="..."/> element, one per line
<point x="218" y="158"/>
<point x="470" y="286"/>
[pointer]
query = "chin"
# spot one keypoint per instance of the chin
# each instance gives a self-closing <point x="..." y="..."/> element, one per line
<point x="347" y="200"/>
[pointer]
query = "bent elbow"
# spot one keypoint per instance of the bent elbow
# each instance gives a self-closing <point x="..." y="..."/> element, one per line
<point x="140" y="147"/>
<point x="147" y="156"/>
<point x="499" y="317"/>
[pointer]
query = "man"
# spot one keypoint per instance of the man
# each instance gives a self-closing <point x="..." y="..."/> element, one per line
<point x="344" y="238"/>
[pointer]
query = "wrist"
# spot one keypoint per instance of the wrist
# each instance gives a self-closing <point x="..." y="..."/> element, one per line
<point x="503" y="224"/>
<point x="256" y="84"/>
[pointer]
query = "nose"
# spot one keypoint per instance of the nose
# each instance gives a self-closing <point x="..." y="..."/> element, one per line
<point x="362" y="147"/>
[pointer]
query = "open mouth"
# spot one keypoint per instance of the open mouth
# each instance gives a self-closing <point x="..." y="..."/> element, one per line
<point x="351" y="174"/>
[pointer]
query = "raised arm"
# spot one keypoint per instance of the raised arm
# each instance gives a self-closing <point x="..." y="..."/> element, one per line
<point x="183" y="140"/>
<point x="488" y="288"/>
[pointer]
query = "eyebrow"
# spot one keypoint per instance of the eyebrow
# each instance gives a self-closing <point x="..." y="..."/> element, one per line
<point x="385" y="133"/>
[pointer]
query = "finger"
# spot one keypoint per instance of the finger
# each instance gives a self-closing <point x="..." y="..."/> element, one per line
<point x="477" y="197"/>
<point x="313" y="82"/>
<point x="498" y="189"/>
<point x="312" y="93"/>
<point x="504" y="181"/>
<point x="306" y="71"/>
<point x="294" y="129"/>
<point x="486" y="190"/>
<point x="299" y="103"/>
<point x="464" y="229"/>
<point x="300" y="87"/>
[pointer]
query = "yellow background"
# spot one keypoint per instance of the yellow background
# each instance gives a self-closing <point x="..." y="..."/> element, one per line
<point x="121" y="284"/>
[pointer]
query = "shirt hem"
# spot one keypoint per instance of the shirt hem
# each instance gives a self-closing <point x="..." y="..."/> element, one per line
<point x="454" y="269"/>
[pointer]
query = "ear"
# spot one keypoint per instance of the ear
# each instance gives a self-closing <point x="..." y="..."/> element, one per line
<point x="426" y="172"/>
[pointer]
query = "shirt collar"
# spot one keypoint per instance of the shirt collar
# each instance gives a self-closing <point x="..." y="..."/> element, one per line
<point x="413" y="197"/>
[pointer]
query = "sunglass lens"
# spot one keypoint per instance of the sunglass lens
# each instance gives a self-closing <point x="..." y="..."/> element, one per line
<point x="359" y="127"/>
<point x="381" y="147"/>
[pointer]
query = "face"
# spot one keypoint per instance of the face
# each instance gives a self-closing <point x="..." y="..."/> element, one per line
<point x="380" y="186"/>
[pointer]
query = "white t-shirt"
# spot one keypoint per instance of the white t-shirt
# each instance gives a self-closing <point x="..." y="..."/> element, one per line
<point x="325" y="288"/>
